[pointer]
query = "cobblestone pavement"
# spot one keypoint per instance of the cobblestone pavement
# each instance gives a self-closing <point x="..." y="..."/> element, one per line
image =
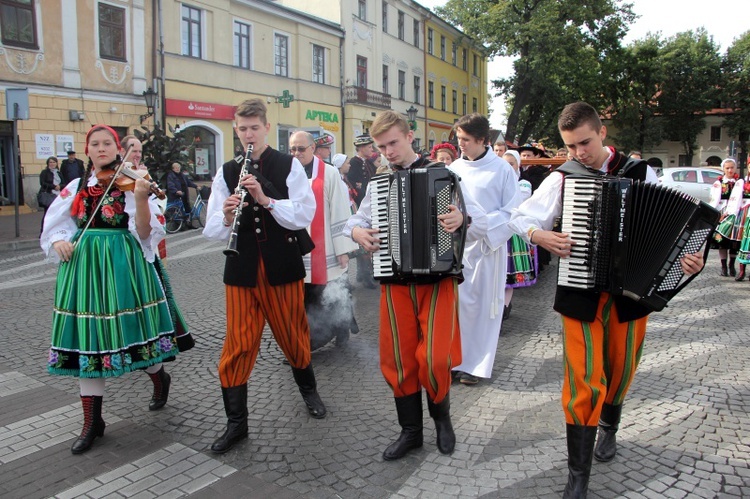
<point x="685" y="429"/>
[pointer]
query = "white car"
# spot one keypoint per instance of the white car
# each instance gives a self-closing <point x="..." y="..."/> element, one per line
<point x="696" y="181"/>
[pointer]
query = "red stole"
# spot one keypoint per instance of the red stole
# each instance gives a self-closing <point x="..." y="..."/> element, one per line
<point x="318" y="267"/>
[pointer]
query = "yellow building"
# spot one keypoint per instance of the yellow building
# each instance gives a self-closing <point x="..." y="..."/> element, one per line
<point x="81" y="63"/>
<point x="221" y="52"/>
<point x="456" y="70"/>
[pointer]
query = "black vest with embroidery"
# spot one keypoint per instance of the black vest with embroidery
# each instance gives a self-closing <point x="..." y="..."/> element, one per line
<point x="582" y="304"/>
<point x="259" y="234"/>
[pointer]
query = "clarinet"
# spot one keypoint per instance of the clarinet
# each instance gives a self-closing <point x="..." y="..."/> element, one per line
<point x="231" y="249"/>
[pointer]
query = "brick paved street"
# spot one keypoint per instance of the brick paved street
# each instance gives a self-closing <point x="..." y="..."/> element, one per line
<point x="685" y="429"/>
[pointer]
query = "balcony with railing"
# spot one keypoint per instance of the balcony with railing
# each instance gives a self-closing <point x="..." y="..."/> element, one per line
<point x="366" y="97"/>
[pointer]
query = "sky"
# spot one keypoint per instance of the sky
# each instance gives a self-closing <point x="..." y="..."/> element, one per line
<point x="725" y="20"/>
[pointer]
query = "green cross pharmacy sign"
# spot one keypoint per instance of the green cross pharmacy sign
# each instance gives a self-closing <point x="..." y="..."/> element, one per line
<point x="286" y="98"/>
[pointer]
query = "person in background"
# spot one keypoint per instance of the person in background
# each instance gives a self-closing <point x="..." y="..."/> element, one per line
<point x="265" y="281"/>
<point x="562" y="153"/>
<point x="341" y="161"/>
<point x="327" y="298"/>
<point x="491" y="182"/>
<point x="177" y="186"/>
<point x="50" y="181"/>
<point x="108" y="270"/>
<point x="419" y="329"/>
<point x="522" y="260"/>
<point x="361" y="170"/>
<point x="444" y="153"/>
<point x="727" y="195"/>
<point x="635" y="155"/>
<point x="500" y="146"/>
<point x="602" y="334"/>
<point x="71" y="168"/>
<point x="323" y="146"/>
<point x="185" y="342"/>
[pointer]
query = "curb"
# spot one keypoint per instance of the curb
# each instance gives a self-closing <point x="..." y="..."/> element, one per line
<point x="21" y="244"/>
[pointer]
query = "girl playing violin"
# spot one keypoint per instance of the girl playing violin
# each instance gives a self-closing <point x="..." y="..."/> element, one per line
<point x="110" y="314"/>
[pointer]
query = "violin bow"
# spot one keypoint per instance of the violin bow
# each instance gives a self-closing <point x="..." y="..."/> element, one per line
<point x="106" y="191"/>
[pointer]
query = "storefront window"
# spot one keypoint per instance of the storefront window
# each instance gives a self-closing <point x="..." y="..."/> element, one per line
<point x="201" y="152"/>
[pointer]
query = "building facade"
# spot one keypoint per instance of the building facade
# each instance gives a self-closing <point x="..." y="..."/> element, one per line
<point x="81" y="63"/>
<point x="456" y="78"/>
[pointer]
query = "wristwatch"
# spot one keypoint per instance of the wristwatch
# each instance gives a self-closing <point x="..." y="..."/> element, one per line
<point x="271" y="204"/>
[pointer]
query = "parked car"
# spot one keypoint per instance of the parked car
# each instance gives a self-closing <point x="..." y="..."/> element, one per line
<point x="696" y="181"/>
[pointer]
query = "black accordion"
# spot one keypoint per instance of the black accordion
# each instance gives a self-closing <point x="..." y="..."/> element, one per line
<point x="630" y="237"/>
<point x="405" y="206"/>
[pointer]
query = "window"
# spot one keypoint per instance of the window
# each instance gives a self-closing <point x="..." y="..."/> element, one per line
<point x="431" y="144"/>
<point x="402" y="85"/>
<point x="455" y="102"/>
<point x="454" y="52"/>
<point x="362" y="9"/>
<point x="281" y="55"/>
<point x="319" y="64"/>
<point x="463" y="59"/>
<point x="473" y="104"/>
<point x="417" y="89"/>
<point x="18" y="23"/>
<point x="242" y="45"/>
<point x="400" y="25"/>
<point x="429" y="41"/>
<point x="442" y="47"/>
<point x="463" y="107"/>
<point x="431" y="94"/>
<point x="385" y="17"/>
<point x="476" y="65"/>
<point x="386" y="87"/>
<point x="111" y="32"/>
<point x="710" y="177"/>
<point x="362" y="72"/>
<point x="715" y="134"/>
<point x="191" y="31"/>
<point x="416" y="33"/>
<point x="442" y="97"/>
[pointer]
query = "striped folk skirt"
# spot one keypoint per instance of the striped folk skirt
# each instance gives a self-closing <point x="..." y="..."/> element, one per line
<point x="110" y="315"/>
<point x="522" y="263"/>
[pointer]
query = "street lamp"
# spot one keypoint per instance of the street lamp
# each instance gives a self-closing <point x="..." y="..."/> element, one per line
<point x="149" y="96"/>
<point x="412" y="114"/>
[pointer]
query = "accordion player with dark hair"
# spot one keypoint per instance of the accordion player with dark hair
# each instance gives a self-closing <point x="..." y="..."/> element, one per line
<point x="419" y="328"/>
<point x="603" y="332"/>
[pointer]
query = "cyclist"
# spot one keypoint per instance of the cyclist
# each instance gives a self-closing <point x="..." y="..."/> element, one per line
<point x="177" y="186"/>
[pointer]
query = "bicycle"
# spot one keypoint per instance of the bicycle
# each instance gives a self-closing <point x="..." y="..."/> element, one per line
<point x="175" y="215"/>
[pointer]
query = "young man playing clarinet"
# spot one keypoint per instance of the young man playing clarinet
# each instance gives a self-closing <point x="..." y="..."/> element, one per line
<point x="419" y="329"/>
<point x="264" y="282"/>
<point x="602" y="334"/>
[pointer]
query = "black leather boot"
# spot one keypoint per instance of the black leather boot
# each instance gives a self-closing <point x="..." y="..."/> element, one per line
<point x="161" y="380"/>
<point x="441" y="413"/>
<point x="580" y="451"/>
<point x="741" y="274"/>
<point x="235" y="405"/>
<point x="723" y="272"/>
<point x="606" y="442"/>
<point x="308" y="387"/>
<point x="93" y="424"/>
<point x="409" y="410"/>
<point x="732" y="270"/>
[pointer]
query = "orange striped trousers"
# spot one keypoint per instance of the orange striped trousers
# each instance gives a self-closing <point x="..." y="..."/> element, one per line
<point x="248" y="309"/>
<point x="600" y="360"/>
<point x="419" y="337"/>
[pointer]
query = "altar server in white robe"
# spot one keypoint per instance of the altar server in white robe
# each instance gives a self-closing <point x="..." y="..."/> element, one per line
<point x="492" y="183"/>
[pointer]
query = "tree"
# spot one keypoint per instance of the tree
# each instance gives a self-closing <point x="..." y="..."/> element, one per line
<point x="636" y="79"/>
<point x="558" y="45"/>
<point x="161" y="150"/>
<point x="736" y="82"/>
<point x="690" y="88"/>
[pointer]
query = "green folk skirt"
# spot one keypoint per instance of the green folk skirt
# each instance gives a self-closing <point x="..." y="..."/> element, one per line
<point x="110" y="315"/>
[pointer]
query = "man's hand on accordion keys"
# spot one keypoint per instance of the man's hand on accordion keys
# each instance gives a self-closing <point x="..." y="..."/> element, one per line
<point x="367" y="238"/>
<point x="692" y="263"/>
<point x="557" y="243"/>
<point x="452" y="220"/>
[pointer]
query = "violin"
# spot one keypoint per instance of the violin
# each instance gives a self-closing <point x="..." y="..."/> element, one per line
<point x="125" y="178"/>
